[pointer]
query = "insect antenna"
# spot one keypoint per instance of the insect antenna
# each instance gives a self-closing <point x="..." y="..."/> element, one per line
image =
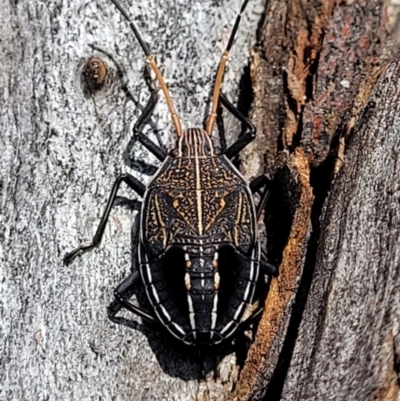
<point x="220" y="72"/>
<point x="154" y="67"/>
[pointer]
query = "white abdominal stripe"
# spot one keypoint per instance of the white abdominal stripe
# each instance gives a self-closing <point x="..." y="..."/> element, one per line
<point x="239" y="302"/>
<point x="162" y="312"/>
<point x="203" y="320"/>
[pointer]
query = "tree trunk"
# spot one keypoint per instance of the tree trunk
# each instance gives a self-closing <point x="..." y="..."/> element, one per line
<point x="309" y="338"/>
<point x="64" y="141"/>
<point x="330" y="329"/>
<point x="349" y="338"/>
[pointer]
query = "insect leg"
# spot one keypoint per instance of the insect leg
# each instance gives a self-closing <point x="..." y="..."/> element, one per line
<point x="263" y="181"/>
<point x="256" y="185"/>
<point x="267" y="268"/>
<point x="245" y="324"/>
<point x="133" y="183"/>
<point x="122" y="294"/>
<point x="144" y="117"/>
<point x="248" y="135"/>
<point x="260" y="182"/>
<point x="221" y="128"/>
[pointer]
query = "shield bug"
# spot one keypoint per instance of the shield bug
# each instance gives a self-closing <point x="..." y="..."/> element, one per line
<point x="199" y="253"/>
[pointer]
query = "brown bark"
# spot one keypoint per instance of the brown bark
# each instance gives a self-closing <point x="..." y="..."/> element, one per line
<point x="317" y="62"/>
<point x="273" y="323"/>
<point x="349" y="339"/>
<point x="316" y="67"/>
<point x="331" y="325"/>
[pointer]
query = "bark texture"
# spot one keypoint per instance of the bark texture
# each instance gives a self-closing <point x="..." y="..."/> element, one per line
<point x="64" y="139"/>
<point x="317" y="62"/>
<point x="307" y="101"/>
<point x="331" y="327"/>
<point x="349" y="338"/>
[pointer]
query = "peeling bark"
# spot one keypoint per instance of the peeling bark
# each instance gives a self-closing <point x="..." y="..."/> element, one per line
<point x="334" y="53"/>
<point x="330" y="329"/>
<point x="348" y="339"/>
<point x="316" y="63"/>
<point x="279" y="303"/>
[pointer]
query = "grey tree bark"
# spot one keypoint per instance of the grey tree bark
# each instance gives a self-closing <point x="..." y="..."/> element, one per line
<point x="63" y="144"/>
<point x="330" y="329"/>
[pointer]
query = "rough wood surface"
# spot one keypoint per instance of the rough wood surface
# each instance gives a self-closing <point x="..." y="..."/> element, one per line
<point x="63" y="144"/>
<point x="307" y="99"/>
<point x="348" y="346"/>
<point x="316" y="61"/>
<point x="328" y="334"/>
<point x="264" y="352"/>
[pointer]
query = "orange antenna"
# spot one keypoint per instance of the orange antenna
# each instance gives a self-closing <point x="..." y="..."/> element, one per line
<point x="154" y="67"/>
<point x="220" y="73"/>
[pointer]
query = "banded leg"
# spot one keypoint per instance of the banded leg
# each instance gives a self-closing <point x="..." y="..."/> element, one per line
<point x="133" y="183"/>
<point x="246" y="137"/>
<point x="122" y="295"/>
<point x="144" y="117"/>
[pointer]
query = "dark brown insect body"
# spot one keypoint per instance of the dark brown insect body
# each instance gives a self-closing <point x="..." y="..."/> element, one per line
<point x="198" y="228"/>
<point x="198" y="249"/>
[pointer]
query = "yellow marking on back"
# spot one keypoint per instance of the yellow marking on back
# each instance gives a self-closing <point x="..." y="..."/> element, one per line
<point x="222" y="205"/>
<point x="160" y="221"/>
<point x="198" y="190"/>
<point x="176" y="204"/>
<point x="238" y="219"/>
